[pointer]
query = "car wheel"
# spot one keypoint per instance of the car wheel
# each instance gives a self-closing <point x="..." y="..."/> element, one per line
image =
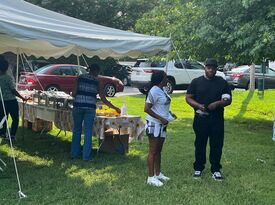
<point x="170" y="86"/>
<point x="110" y="90"/>
<point x="143" y="90"/>
<point x="52" y="88"/>
<point x="125" y="81"/>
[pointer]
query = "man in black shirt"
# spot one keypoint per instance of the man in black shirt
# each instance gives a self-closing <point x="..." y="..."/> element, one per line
<point x="208" y="95"/>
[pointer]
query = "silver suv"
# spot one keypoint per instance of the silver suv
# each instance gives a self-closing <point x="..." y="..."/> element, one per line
<point x="180" y="73"/>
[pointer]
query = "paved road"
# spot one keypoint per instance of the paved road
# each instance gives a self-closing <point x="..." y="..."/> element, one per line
<point x="128" y="91"/>
<point x="134" y="91"/>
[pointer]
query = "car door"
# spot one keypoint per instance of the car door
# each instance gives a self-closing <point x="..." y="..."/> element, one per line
<point x="184" y="71"/>
<point x="66" y="78"/>
<point x="71" y="76"/>
<point x="258" y="75"/>
<point x="270" y="78"/>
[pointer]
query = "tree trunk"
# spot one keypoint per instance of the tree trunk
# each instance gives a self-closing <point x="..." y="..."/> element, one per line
<point x="252" y="77"/>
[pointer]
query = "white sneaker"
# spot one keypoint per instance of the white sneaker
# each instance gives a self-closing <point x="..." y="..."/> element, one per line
<point x="197" y="174"/>
<point x="154" y="181"/>
<point x="217" y="176"/>
<point x="162" y="177"/>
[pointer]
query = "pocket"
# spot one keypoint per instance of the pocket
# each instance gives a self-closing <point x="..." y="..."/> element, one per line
<point x="157" y="130"/>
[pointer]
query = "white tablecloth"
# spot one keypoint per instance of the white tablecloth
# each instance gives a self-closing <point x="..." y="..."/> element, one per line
<point x="64" y="121"/>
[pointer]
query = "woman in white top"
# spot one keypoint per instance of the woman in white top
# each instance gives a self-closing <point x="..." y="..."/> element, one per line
<point x="157" y="107"/>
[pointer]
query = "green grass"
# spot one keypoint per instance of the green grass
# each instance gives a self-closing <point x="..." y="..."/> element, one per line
<point x="48" y="176"/>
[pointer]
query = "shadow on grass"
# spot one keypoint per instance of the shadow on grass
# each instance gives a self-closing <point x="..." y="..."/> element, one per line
<point x="244" y="105"/>
<point x="250" y="124"/>
<point x="45" y="166"/>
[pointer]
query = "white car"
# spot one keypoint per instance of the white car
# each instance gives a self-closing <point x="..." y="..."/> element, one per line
<point x="180" y="73"/>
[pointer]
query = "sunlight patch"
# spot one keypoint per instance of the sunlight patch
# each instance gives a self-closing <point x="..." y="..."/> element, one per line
<point x="25" y="157"/>
<point x="135" y="152"/>
<point x="92" y="176"/>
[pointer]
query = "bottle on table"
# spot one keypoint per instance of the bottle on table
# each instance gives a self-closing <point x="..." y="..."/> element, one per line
<point x="123" y="109"/>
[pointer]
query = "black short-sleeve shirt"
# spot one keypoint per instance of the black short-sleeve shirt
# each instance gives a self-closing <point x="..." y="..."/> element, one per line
<point x="207" y="91"/>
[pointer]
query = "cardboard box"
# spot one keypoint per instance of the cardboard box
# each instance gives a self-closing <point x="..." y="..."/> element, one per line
<point x="121" y="143"/>
<point x="114" y="143"/>
<point x="38" y="125"/>
<point x="26" y="124"/>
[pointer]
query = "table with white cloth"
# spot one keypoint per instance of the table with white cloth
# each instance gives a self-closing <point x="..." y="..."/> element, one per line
<point x="63" y="120"/>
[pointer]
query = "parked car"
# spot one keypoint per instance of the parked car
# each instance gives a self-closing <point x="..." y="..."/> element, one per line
<point x="33" y="65"/>
<point x="240" y="77"/>
<point x="121" y="72"/>
<point x="229" y="66"/>
<point x="61" y="77"/>
<point x="180" y="73"/>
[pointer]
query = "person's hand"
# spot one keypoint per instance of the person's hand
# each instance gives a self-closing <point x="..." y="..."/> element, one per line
<point x="202" y="108"/>
<point x="163" y="121"/>
<point x="213" y="106"/>
<point x="173" y="115"/>
<point x="117" y="110"/>
<point x="25" y="99"/>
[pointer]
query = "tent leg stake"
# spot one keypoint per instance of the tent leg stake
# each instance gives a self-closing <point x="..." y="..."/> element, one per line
<point x="4" y="165"/>
<point x="21" y="194"/>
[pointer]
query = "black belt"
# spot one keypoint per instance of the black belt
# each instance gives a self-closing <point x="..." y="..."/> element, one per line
<point x="202" y="115"/>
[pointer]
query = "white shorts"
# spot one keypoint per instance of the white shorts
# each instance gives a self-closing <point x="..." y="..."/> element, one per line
<point x="155" y="129"/>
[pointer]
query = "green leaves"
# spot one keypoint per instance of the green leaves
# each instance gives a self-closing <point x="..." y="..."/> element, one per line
<point x="240" y="31"/>
<point x="121" y="14"/>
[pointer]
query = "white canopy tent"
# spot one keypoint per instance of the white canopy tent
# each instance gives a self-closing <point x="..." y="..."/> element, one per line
<point x="32" y="30"/>
<point x="26" y="28"/>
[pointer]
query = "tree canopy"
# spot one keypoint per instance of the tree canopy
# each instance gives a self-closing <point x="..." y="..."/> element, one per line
<point x="121" y="14"/>
<point x="230" y="30"/>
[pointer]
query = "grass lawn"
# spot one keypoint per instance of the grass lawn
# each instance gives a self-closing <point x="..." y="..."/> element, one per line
<point x="49" y="176"/>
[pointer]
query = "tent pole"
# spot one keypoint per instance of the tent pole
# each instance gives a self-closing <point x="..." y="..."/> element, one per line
<point x="177" y="52"/>
<point x="167" y="60"/>
<point x="78" y="62"/>
<point x="20" y="193"/>
<point x="84" y="60"/>
<point x="17" y="67"/>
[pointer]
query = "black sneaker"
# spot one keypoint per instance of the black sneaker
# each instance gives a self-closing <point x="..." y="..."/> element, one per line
<point x="197" y="174"/>
<point x="217" y="176"/>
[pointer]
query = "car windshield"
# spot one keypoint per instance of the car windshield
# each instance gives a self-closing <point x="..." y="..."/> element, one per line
<point x="42" y="70"/>
<point x="158" y="64"/>
<point x="240" y="69"/>
<point x="271" y="71"/>
<point x="145" y="63"/>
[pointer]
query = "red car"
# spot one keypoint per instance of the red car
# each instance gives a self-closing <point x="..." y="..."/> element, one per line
<point x="61" y="77"/>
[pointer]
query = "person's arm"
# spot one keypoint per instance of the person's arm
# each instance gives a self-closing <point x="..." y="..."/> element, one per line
<point x="193" y="103"/>
<point x="104" y="100"/>
<point x="148" y="110"/>
<point x="226" y="98"/>
<point x="220" y="103"/>
<point x="18" y="95"/>
<point x="173" y="115"/>
<point x="12" y="87"/>
<point x="190" y="97"/>
<point x="75" y="87"/>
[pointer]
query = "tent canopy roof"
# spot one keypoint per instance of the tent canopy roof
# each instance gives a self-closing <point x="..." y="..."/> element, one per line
<point x="26" y="28"/>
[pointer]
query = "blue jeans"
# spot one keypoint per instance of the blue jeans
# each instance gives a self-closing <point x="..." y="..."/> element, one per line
<point x="80" y="115"/>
